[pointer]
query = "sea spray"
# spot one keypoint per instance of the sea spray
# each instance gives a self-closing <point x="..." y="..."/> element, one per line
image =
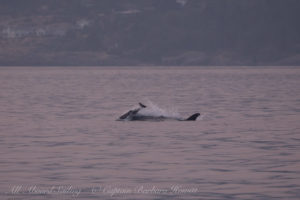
<point x="154" y="110"/>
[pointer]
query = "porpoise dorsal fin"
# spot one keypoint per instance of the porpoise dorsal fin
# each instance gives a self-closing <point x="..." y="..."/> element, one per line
<point x="193" y="117"/>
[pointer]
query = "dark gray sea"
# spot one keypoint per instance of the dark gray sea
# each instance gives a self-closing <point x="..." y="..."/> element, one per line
<point x="60" y="138"/>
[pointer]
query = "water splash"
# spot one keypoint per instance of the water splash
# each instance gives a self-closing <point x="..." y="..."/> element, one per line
<point x="154" y="110"/>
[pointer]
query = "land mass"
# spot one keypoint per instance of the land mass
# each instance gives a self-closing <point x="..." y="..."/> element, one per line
<point x="150" y="32"/>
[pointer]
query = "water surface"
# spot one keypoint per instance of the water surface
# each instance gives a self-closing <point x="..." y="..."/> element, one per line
<point x="59" y="134"/>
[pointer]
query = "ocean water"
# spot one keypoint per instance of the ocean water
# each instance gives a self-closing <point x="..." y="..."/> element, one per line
<point x="60" y="138"/>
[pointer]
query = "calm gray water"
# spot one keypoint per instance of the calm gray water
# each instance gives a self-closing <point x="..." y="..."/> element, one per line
<point x="59" y="138"/>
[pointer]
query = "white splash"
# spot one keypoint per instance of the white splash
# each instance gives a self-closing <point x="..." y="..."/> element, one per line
<point x="156" y="111"/>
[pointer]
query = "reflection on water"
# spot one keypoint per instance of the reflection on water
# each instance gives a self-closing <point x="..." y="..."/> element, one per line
<point x="59" y="138"/>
